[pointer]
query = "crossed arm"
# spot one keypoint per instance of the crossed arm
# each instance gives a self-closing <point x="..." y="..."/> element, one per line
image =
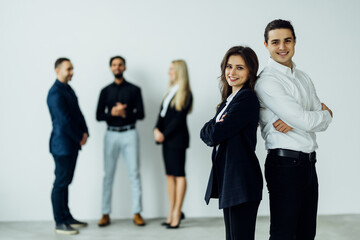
<point x="241" y="112"/>
<point x="276" y="98"/>
<point x="280" y="126"/>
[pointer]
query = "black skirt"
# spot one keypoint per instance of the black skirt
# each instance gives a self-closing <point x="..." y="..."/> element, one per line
<point x="174" y="159"/>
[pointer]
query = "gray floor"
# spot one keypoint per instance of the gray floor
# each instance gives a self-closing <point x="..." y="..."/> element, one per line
<point x="339" y="227"/>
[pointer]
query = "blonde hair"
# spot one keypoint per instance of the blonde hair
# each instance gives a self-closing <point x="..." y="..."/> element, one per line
<point x="182" y="96"/>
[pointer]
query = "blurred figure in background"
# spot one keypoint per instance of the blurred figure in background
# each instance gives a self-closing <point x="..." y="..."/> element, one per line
<point x="120" y="105"/>
<point x="68" y="135"/>
<point x="172" y="132"/>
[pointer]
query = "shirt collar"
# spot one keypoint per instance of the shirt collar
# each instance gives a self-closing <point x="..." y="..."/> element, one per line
<point x="231" y="96"/>
<point x="124" y="82"/>
<point x="59" y="83"/>
<point x="174" y="88"/>
<point x="284" y="69"/>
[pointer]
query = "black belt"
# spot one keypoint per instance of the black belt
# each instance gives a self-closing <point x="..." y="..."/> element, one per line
<point x="121" y="129"/>
<point x="293" y="154"/>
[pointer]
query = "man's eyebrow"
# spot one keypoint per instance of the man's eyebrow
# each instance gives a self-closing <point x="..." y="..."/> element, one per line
<point x="288" y="38"/>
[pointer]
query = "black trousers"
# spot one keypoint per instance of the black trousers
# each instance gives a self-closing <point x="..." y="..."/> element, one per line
<point x="64" y="172"/>
<point x="240" y="221"/>
<point x="293" y="192"/>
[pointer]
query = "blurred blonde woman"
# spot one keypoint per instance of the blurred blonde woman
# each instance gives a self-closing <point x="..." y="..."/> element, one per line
<point x="172" y="132"/>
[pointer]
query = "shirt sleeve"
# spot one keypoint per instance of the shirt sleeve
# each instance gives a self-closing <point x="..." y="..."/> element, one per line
<point x="136" y="113"/>
<point x="315" y="101"/>
<point x="160" y="120"/>
<point x="83" y="123"/>
<point x="139" y="114"/>
<point x="274" y="97"/>
<point x="101" y="115"/>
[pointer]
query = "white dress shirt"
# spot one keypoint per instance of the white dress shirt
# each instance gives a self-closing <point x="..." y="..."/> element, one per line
<point x="169" y="96"/>
<point x="289" y="95"/>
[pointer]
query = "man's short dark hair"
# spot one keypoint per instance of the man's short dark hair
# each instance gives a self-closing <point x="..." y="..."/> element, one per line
<point x="277" y="24"/>
<point x="119" y="57"/>
<point x="59" y="61"/>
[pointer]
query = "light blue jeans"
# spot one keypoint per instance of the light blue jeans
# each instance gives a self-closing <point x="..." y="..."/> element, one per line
<point x="128" y="144"/>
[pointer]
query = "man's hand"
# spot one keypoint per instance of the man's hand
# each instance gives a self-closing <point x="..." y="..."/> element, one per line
<point x="280" y="126"/>
<point x="324" y="107"/>
<point x="84" y="139"/>
<point x="119" y="110"/>
<point x="158" y="136"/>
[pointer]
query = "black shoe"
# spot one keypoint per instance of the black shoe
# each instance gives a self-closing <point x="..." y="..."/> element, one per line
<point x="173" y="227"/>
<point x="65" y="229"/>
<point x="177" y="226"/>
<point x="165" y="224"/>
<point x="182" y="217"/>
<point x="76" y="224"/>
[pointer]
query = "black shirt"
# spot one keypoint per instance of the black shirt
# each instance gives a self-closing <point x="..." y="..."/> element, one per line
<point x="125" y="93"/>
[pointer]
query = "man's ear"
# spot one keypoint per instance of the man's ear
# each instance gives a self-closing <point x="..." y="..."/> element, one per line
<point x="57" y="70"/>
<point x="266" y="45"/>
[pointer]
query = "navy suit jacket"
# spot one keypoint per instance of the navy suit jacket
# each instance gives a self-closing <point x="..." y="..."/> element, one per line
<point x="68" y="122"/>
<point x="174" y="126"/>
<point x="235" y="176"/>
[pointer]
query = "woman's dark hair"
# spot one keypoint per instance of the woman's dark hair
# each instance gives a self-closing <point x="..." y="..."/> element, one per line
<point x="251" y="62"/>
<point x="278" y="24"/>
<point x="119" y="57"/>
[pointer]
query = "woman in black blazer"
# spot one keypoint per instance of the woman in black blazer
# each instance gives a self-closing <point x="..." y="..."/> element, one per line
<point x="172" y="132"/>
<point x="236" y="177"/>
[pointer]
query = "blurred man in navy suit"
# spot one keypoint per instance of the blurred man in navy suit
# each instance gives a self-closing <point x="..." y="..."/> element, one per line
<point x="69" y="133"/>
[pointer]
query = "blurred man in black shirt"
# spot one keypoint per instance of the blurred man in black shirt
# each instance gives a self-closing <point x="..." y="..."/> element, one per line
<point x="120" y="105"/>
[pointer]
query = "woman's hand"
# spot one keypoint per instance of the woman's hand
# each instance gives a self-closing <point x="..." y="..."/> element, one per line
<point x="158" y="136"/>
<point x="222" y="117"/>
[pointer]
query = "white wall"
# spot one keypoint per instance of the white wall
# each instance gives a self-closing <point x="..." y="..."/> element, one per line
<point x="149" y="34"/>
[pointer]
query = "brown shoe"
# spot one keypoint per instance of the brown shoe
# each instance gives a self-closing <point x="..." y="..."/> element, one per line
<point x="138" y="220"/>
<point x="104" y="221"/>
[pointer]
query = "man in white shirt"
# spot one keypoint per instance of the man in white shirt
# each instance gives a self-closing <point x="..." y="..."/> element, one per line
<point x="290" y="115"/>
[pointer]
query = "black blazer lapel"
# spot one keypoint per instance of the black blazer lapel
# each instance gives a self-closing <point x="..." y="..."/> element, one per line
<point x="215" y="152"/>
